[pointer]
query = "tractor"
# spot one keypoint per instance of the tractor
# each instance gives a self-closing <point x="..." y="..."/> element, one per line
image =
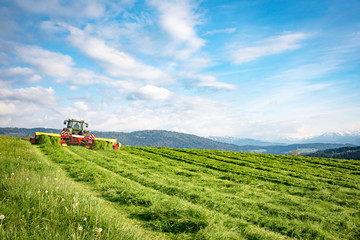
<point x="75" y="133"/>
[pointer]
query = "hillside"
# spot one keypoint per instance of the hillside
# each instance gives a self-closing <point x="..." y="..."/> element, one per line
<point x="163" y="193"/>
<point x="162" y="138"/>
<point x="148" y="138"/>
<point x="339" y="153"/>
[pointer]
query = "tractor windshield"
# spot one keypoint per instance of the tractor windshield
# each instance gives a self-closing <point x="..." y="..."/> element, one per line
<point x="75" y="125"/>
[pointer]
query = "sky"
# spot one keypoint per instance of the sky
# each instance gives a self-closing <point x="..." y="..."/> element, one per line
<point x="263" y="69"/>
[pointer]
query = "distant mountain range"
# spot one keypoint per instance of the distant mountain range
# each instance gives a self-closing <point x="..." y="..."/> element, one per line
<point x="244" y="141"/>
<point x="162" y="138"/>
<point x="346" y="137"/>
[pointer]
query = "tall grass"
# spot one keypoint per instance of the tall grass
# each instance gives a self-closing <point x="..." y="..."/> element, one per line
<point x="154" y="193"/>
<point x="38" y="201"/>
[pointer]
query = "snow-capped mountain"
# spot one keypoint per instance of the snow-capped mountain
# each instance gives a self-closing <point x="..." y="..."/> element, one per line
<point x="351" y="137"/>
<point x="243" y="141"/>
<point x="344" y="137"/>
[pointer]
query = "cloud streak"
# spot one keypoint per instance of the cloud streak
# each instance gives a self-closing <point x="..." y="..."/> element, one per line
<point x="269" y="46"/>
<point x="178" y="20"/>
<point x="115" y="62"/>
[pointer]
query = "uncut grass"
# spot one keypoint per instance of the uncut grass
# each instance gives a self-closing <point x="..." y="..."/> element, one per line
<point x="332" y="220"/>
<point x="229" y="204"/>
<point x="40" y="202"/>
<point x="185" y="218"/>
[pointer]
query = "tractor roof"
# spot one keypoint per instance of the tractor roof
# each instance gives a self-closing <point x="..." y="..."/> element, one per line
<point x="75" y="120"/>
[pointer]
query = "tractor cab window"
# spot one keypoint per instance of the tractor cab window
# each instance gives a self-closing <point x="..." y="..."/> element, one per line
<point x="75" y="125"/>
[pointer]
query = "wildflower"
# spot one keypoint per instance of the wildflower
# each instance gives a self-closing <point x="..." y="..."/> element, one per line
<point x="57" y="187"/>
<point x="63" y="199"/>
<point x="12" y="174"/>
<point x="27" y="179"/>
<point x="80" y="228"/>
<point x="46" y="191"/>
<point x="99" y="230"/>
<point x="76" y="193"/>
<point x="2" y="217"/>
<point x="76" y="204"/>
<point x="39" y="192"/>
<point x="85" y="219"/>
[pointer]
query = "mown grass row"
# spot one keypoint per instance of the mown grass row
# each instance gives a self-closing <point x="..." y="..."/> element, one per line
<point x="38" y="201"/>
<point x="159" y="211"/>
<point x="293" y="186"/>
<point x="286" y="165"/>
<point x="158" y="193"/>
<point x="334" y="209"/>
<point x="282" y="219"/>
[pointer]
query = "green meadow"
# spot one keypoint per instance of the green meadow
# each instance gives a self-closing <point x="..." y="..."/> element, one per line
<point x="53" y="192"/>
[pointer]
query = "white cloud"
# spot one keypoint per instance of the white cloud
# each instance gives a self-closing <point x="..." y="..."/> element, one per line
<point x="115" y="62"/>
<point x="73" y="88"/>
<point x="270" y="46"/>
<point x="216" y="31"/>
<point x="80" y="8"/>
<point x="205" y="80"/>
<point x="81" y="106"/>
<point x="18" y="71"/>
<point x="150" y="92"/>
<point x="37" y="95"/>
<point x="50" y="63"/>
<point x="211" y="82"/>
<point x="178" y="19"/>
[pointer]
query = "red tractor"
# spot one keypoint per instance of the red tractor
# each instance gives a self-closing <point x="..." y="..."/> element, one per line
<point x="75" y="133"/>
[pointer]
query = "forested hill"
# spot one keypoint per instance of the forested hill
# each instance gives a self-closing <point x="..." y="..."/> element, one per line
<point x="149" y="138"/>
<point x="339" y="153"/>
<point x="162" y="138"/>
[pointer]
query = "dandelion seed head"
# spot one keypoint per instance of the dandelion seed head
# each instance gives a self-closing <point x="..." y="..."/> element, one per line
<point x="2" y="217"/>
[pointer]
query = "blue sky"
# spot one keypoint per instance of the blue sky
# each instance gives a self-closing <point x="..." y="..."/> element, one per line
<point x="254" y="69"/>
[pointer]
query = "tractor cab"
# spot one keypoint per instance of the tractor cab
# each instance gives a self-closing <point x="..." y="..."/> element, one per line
<point x="76" y="127"/>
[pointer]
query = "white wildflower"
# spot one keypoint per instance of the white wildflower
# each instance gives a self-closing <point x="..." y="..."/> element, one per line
<point x="99" y="230"/>
<point x="27" y="179"/>
<point x="2" y="217"/>
<point x="85" y="219"/>
<point x="12" y="174"/>
<point x="76" y="193"/>
<point x="80" y="228"/>
<point x="46" y="191"/>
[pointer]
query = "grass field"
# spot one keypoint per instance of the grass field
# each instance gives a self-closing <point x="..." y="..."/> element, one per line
<point x="162" y="193"/>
